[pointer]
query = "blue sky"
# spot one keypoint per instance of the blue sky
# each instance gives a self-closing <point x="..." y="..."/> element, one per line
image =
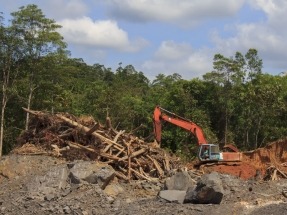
<point x="168" y="36"/>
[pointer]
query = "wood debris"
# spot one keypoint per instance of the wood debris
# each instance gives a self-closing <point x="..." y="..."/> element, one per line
<point x="73" y="138"/>
<point x="274" y="173"/>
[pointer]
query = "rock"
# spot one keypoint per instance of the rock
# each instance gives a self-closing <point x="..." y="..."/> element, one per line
<point x="91" y="172"/>
<point x="49" y="197"/>
<point x="55" y="179"/>
<point x="110" y="199"/>
<point x="173" y="195"/>
<point x="230" y="183"/>
<point x="179" y="181"/>
<point x="67" y="210"/>
<point x="19" y="164"/>
<point x="113" y="189"/>
<point x="208" y="190"/>
<point x="66" y="192"/>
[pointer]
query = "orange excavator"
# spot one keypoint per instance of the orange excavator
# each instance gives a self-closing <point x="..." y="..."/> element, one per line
<point x="206" y="152"/>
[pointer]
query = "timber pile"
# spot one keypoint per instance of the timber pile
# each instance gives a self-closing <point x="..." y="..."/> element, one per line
<point x="73" y="138"/>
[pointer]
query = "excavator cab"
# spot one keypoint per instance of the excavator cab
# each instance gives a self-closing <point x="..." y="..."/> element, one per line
<point x="209" y="152"/>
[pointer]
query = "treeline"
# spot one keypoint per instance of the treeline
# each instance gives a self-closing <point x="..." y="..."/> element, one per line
<point x="234" y="103"/>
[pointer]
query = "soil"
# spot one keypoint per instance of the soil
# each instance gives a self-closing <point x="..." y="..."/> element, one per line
<point x="249" y="188"/>
<point x="255" y="163"/>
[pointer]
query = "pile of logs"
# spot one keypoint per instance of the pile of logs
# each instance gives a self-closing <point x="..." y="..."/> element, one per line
<point x="73" y="138"/>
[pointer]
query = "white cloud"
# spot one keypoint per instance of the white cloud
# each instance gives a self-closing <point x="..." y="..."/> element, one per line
<point x="267" y="37"/>
<point x="170" y="50"/>
<point x="275" y="11"/>
<point x="100" y="33"/>
<point x="183" y="13"/>
<point x="172" y="57"/>
<point x="98" y="37"/>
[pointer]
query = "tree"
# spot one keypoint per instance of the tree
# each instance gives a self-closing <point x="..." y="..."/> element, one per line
<point x="10" y="55"/>
<point x="254" y="63"/>
<point x="230" y="76"/>
<point x="262" y="111"/>
<point x="39" y="38"/>
<point x="127" y="97"/>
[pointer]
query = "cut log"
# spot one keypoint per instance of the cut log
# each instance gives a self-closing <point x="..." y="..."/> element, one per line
<point x="115" y="140"/>
<point x="134" y="154"/>
<point x="157" y="166"/>
<point x="129" y="161"/>
<point x="141" y="175"/>
<point x="79" y="146"/>
<point x="120" y="175"/>
<point x="59" y="150"/>
<point x="93" y="129"/>
<point x="86" y="129"/>
<point x="166" y="162"/>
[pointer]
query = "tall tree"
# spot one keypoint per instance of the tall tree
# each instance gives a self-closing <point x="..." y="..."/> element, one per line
<point x="230" y="74"/>
<point x="262" y="110"/>
<point x="127" y="100"/>
<point x="10" y="54"/>
<point x="39" y="38"/>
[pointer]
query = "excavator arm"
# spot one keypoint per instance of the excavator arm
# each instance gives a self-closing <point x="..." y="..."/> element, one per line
<point x="206" y="152"/>
<point x="162" y="114"/>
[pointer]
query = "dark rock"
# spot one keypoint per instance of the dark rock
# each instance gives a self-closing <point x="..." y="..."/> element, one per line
<point x="208" y="190"/>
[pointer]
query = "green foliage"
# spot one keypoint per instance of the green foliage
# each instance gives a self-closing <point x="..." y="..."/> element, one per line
<point x="229" y="79"/>
<point x="234" y="103"/>
<point x="262" y="108"/>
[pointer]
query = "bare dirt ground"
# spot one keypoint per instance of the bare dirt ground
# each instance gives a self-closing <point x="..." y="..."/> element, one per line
<point x="245" y="190"/>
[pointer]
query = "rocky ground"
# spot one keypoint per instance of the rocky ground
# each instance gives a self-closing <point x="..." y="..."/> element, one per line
<point x="64" y="165"/>
<point x="35" y="185"/>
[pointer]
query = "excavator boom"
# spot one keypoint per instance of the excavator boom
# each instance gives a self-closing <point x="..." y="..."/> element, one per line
<point x="162" y="114"/>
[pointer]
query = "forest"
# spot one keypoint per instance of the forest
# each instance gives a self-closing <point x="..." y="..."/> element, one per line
<point x="234" y="103"/>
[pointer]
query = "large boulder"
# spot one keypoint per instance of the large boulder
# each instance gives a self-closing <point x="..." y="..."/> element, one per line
<point x="55" y="179"/>
<point x="14" y="166"/>
<point x="208" y="190"/>
<point x="91" y="172"/>
<point x="62" y="178"/>
<point x="179" y="181"/>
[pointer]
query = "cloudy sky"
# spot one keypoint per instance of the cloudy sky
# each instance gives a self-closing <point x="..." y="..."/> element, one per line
<point x="168" y="36"/>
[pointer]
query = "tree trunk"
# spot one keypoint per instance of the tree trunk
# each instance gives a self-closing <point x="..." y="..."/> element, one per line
<point x="226" y="127"/>
<point x="247" y="139"/>
<point x="257" y="132"/>
<point x="3" y="107"/>
<point x="29" y="107"/>
<point x="4" y="101"/>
